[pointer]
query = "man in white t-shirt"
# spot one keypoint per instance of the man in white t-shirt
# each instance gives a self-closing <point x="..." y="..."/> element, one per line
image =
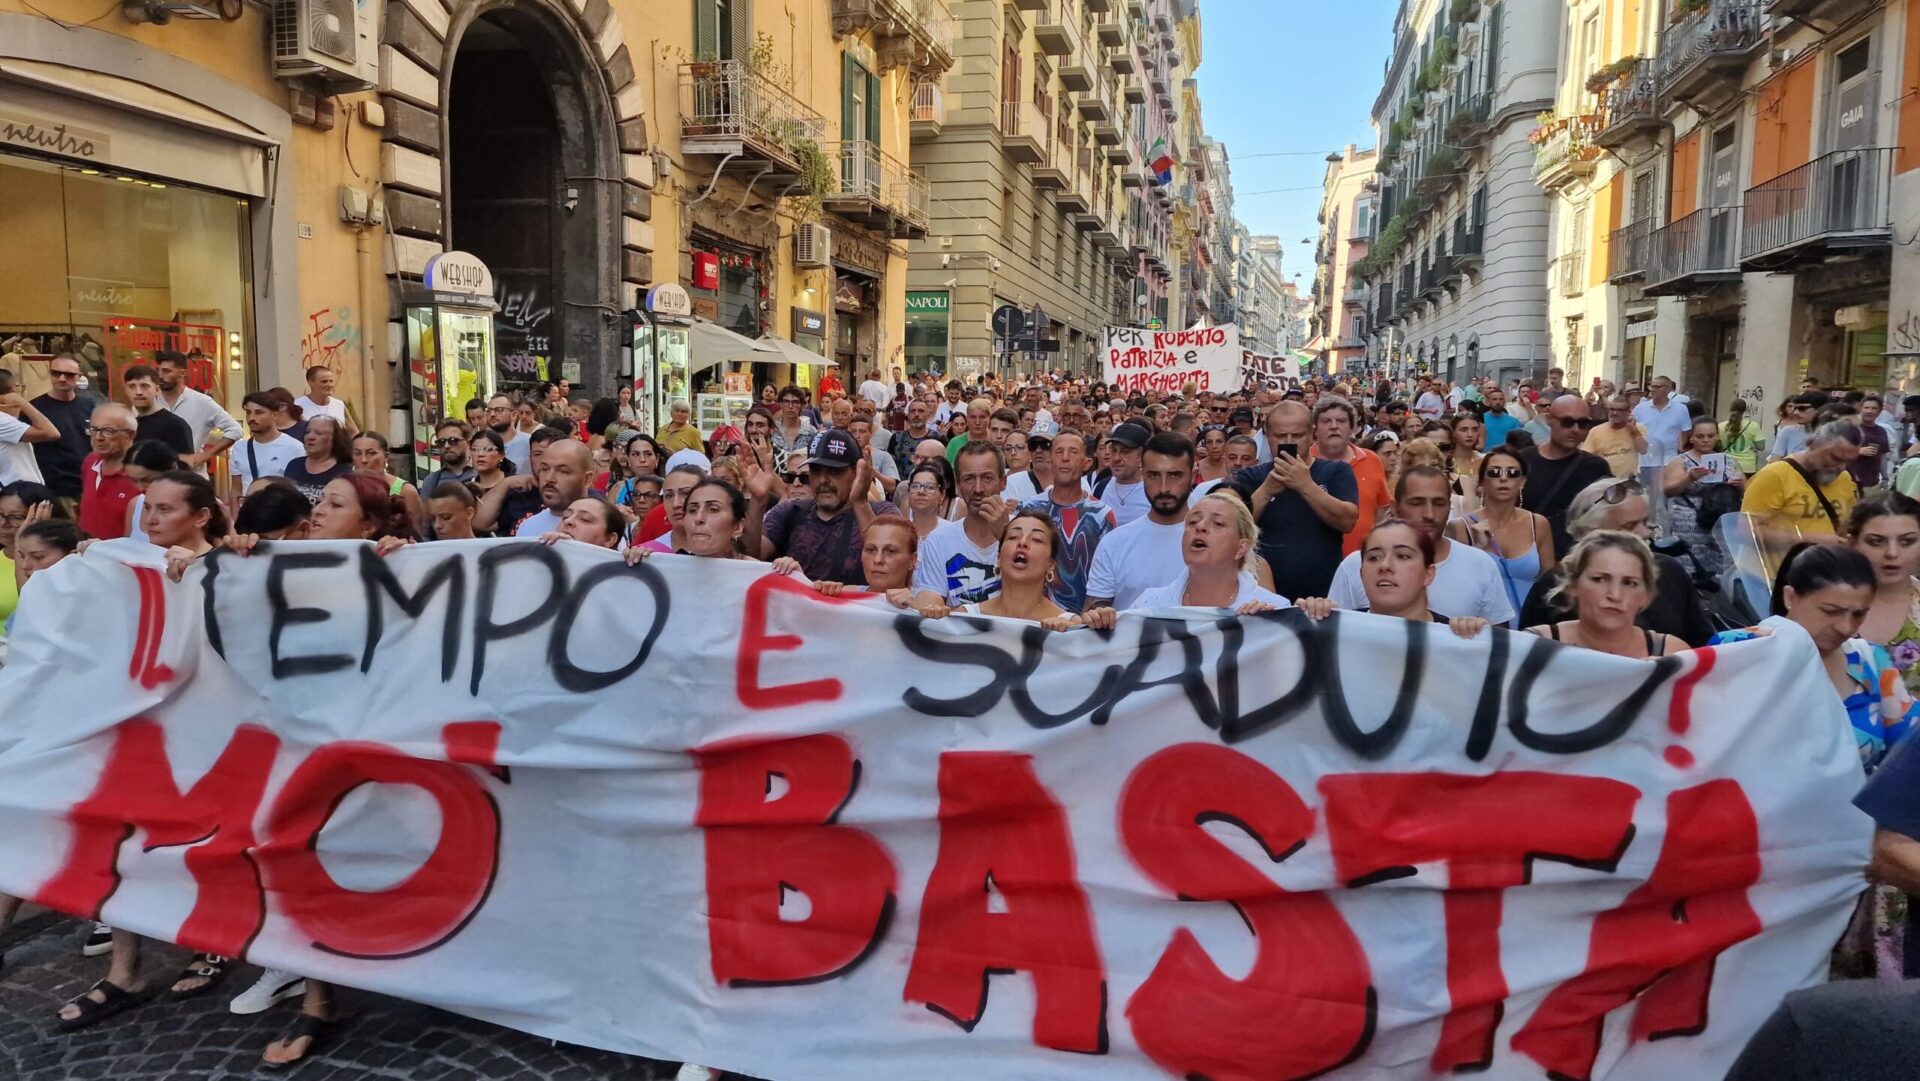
<point x="1428" y="403"/>
<point x="1146" y="552"/>
<point x="875" y="391"/>
<point x="1122" y="490"/>
<point x="319" y="400"/>
<point x="959" y="562"/>
<point x="562" y="475"/>
<point x="1028" y="483"/>
<point x="266" y="450"/>
<point x="1043" y="422"/>
<point x="1466" y="580"/>
<point x="20" y="426"/>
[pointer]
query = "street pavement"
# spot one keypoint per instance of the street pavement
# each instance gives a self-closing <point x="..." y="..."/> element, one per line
<point x="199" y="1039"/>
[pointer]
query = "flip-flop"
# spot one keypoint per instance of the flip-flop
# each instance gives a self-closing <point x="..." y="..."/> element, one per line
<point x="114" y="1000"/>
<point x="210" y="967"/>
<point x="315" y="1029"/>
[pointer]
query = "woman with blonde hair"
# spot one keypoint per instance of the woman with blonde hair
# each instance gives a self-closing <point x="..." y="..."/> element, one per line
<point x="1610" y="580"/>
<point x="1219" y="547"/>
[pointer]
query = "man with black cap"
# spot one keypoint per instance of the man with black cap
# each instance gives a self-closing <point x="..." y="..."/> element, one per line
<point x="822" y="534"/>
<point x="1121" y="488"/>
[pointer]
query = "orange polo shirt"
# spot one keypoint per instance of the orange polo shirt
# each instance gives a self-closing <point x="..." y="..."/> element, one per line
<point x="1371" y="474"/>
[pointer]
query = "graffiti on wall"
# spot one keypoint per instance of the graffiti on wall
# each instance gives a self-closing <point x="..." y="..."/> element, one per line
<point x="330" y="337"/>
<point x="1905" y="333"/>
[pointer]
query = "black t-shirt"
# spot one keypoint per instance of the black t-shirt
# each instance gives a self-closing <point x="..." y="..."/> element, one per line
<point x="1553" y="482"/>
<point x="517" y="507"/>
<point x="60" y="458"/>
<point x="1302" y="550"/>
<point x="165" y="427"/>
<point x="827" y="551"/>
<point x="312" y="484"/>
<point x="1675" y="609"/>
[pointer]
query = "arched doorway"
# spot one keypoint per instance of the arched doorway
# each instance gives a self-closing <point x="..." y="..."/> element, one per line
<point x="531" y="168"/>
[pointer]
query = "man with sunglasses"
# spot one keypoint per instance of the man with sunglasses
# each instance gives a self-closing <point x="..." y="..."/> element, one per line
<point x="1557" y="469"/>
<point x="450" y="443"/>
<point x="69" y="410"/>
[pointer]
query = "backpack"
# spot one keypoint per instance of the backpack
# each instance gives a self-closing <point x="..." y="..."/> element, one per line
<point x="1713" y="504"/>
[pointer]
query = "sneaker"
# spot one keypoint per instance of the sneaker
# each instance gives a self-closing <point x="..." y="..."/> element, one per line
<point x="272" y="986"/>
<point x="99" y="941"/>
<point x="692" y="1072"/>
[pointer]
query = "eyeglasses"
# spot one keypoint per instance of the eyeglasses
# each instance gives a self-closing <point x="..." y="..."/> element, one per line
<point x="13" y="519"/>
<point x="1621" y="490"/>
<point x="449" y="441"/>
<point x="1512" y="472"/>
<point x="94" y="430"/>
<point x="923" y="486"/>
<point x="648" y="497"/>
<point x="1582" y="423"/>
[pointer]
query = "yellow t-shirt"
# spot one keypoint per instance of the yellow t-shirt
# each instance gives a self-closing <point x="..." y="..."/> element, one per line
<point x="1782" y="499"/>
<point x="9" y="589"/>
<point x="1616" y="446"/>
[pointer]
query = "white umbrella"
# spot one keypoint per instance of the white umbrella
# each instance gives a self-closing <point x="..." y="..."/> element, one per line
<point x="789" y="353"/>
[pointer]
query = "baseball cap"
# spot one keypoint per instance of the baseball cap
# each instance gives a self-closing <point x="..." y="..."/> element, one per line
<point x="1131" y="435"/>
<point x="1039" y="441"/>
<point x="1239" y="415"/>
<point x="834" y="449"/>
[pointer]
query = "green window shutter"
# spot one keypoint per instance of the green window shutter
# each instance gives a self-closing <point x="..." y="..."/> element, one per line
<point x="873" y="108"/>
<point x="706" y="30"/>
<point x="740" y="27"/>
<point x="850" y="79"/>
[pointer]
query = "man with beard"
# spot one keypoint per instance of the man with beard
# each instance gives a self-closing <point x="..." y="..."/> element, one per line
<point x="1145" y="552"/>
<point x="1808" y="493"/>
<point x="1121" y="488"/>
<point x="1466" y="580"/>
<point x="450" y="441"/>
<point x="917" y="431"/>
<point x="822" y="534"/>
<point x="213" y="428"/>
<point x="503" y="416"/>
<point x="1305" y="506"/>
<point x="959" y="561"/>
<point x="564" y="471"/>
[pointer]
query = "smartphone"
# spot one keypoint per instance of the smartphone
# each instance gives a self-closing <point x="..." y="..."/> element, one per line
<point x="1292" y="449"/>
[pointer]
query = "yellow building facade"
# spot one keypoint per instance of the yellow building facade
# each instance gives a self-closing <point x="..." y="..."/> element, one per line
<point x="268" y="184"/>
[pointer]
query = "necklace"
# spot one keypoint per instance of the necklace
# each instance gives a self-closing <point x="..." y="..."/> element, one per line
<point x="1190" y="599"/>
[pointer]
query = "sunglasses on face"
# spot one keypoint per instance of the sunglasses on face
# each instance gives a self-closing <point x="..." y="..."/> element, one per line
<point x="449" y="441"/>
<point x="1511" y="472"/>
<point x="1582" y="423"/>
<point x="65" y="375"/>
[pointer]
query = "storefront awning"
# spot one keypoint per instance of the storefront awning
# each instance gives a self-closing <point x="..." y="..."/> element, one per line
<point x="110" y="122"/>
<point x="709" y="343"/>
<point x="788" y="353"/>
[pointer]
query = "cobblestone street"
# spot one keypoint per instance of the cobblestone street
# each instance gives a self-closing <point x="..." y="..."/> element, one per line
<point x="199" y="1039"/>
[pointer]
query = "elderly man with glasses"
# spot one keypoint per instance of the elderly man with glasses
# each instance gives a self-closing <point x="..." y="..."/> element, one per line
<point x="105" y="488"/>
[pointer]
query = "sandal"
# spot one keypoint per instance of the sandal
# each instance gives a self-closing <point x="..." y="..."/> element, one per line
<point x="113" y="1000"/>
<point x="314" y="1029"/>
<point x="210" y="968"/>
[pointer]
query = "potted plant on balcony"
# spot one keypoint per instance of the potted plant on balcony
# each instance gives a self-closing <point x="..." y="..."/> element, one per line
<point x="1686" y="9"/>
<point x="1607" y="76"/>
<point x="1465" y="11"/>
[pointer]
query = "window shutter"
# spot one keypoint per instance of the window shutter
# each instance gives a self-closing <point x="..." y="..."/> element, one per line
<point x="706" y="29"/>
<point x="850" y="80"/>
<point x="1496" y="17"/>
<point x="873" y="109"/>
<point x="740" y="21"/>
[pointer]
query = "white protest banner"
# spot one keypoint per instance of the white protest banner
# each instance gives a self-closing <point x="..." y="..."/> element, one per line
<point x="696" y="811"/>
<point x="1167" y="360"/>
<point x="1271" y="372"/>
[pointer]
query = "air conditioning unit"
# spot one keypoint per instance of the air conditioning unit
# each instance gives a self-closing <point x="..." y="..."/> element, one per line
<point x="335" y="42"/>
<point x="812" y="246"/>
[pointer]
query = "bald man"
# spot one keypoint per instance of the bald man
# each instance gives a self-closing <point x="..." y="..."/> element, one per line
<point x="1305" y="505"/>
<point x="563" y="474"/>
<point x="1557" y="469"/>
<point x="105" y="489"/>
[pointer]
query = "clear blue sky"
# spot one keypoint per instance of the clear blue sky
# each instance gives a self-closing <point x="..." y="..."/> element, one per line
<point x="1287" y="76"/>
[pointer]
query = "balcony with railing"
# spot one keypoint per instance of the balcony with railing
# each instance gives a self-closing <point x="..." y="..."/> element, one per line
<point x="1838" y="200"/>
<point x="879" y="191"/>
<point x="1468" y="126"/>
<point x="1024" y="130"/>
<point x="1826" y="11"/>
<point x="1054" y="30"/>
<point x="729" y="109"/>
<point x="1630" y="109"/>
<point x="1629" y="251"/>
<point x="928" y="111"/>
<point x="1701" y="56"/>
<point x="914" y="34"/>
<point x="1573" y="273"/>
<point x="1056" y="172"/>
<point x="1696" y="251"/>
<point x="1564" y="150"/>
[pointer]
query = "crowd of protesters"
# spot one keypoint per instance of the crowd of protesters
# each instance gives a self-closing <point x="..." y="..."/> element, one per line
<point x="1587" y="518"/>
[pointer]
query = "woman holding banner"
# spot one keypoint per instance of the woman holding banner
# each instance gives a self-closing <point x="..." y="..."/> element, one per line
<point x="1610" y="581"/>
<point x="1219" y="546"/>
<point x="1397" y="564"/>
<point x="1028" y="547"/>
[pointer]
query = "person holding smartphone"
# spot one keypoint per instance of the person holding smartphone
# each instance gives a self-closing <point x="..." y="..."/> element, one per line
<point x="1305" y="506"/>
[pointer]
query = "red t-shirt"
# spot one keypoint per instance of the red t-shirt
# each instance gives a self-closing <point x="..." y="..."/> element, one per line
<point x="654" y="525"/>
<point x="830" y="384"/>
<point x="104" y="500"/>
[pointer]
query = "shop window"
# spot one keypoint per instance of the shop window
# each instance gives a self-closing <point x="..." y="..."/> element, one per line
<point x="123" y="268"/>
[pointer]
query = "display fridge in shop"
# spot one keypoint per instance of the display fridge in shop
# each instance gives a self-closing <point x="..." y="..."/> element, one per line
<point x="713" y="408"/>
<point x="661" y="362"/>
<point x="449" y="341"/>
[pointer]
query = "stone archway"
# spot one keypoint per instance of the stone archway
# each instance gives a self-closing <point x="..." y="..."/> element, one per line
<point x="597" y="183"/>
